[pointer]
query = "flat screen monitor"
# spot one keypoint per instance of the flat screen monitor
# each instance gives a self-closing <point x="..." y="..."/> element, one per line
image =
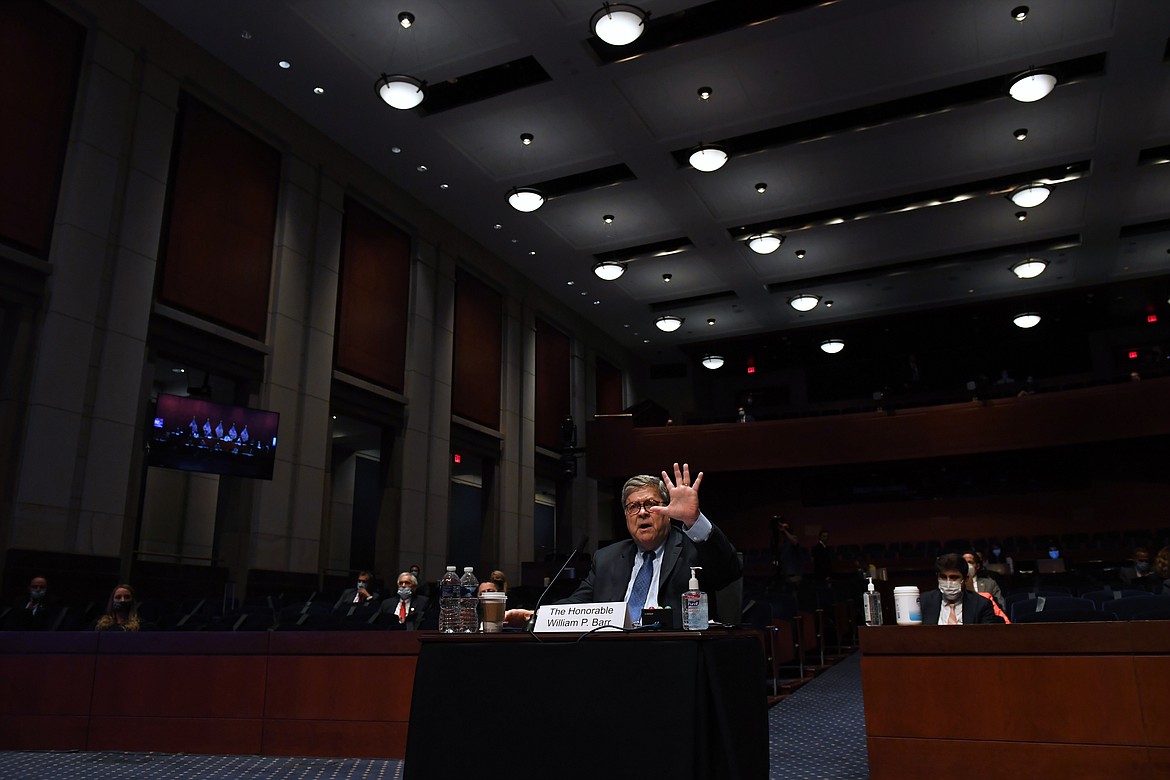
<point x="195" y="434"/>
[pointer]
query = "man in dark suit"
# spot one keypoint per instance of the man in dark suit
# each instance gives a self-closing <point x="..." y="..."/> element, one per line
<point x="409" y="609"/>
<point x="361" y="596"/>
<point x="652" y="567"/>
<point x="951" y="604"/>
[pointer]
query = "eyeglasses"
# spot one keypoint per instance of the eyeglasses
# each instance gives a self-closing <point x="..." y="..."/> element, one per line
<point x="636" y="507"/>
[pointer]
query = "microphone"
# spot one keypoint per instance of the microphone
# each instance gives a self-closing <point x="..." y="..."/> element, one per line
<point x="580" y="545"/>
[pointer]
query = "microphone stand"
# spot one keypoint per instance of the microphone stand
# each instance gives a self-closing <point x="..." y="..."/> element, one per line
<point x="532" y="621"/>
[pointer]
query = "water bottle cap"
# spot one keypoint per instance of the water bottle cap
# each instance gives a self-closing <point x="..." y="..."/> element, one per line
<point x="468" y="569"/>
<point x="450" y="568"/>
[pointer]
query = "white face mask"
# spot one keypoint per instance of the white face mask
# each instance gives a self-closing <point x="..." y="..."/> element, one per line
<point x="950" y="590"/>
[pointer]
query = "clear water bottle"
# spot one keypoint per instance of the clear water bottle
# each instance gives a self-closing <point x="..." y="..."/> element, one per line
<point x="469" y="601"/>
<point x="449" y="620"/>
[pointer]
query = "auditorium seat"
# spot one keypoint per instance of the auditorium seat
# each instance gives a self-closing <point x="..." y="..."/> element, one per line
<point x="1020" y="607"/>
<point x="1133" y="607"/>
<point x="1065" y="616"/>
<point x="1110" y="594"/>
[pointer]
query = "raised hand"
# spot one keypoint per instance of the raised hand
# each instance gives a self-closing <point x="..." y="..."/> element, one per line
<point x="684" y="495"/>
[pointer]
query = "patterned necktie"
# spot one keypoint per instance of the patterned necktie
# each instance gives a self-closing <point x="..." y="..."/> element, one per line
<point x="641" y="587"/>
<point x="401" y="611"/>
<point x="952" y="618"/>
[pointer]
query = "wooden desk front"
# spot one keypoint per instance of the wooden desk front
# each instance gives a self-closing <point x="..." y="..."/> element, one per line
<point x="1084" y="700"/>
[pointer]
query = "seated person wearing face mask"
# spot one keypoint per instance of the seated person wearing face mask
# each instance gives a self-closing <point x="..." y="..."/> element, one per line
<point x="409" y="608"/>
<point x="1132" y="575"/>
<point x="359" y="596"/>
<point x="951" y="604"/>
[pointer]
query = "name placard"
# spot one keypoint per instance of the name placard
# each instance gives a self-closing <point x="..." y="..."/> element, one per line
<point x="578" y="618"/>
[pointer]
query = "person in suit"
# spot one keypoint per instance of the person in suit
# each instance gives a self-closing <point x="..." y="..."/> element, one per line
<point x="409" y="609"/>
<point x="1131" y="576"/>
<point x="652" y="567"/>
<point x="951" y="604"/>
<point x="979" y="581"/>
<point x="362" y="595"/>
<point x="822" y="558"/>
<point x="38" y="611"/>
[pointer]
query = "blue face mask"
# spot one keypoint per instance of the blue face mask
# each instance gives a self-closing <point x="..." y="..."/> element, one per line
<point x="1054" y="554"/>
<point x="996" y="551"/>
<point x="1142" y="565"/>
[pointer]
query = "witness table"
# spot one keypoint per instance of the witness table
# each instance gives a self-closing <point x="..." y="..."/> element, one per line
<point x="671" y="704"/>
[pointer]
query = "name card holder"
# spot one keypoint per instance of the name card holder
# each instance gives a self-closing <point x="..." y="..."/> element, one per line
<point x="579" y="618"/>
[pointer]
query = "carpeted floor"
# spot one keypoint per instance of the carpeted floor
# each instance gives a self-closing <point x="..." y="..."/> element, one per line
<point x="818" y="732"/>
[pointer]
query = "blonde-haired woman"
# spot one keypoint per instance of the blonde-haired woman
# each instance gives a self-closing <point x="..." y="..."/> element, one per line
<point x="121" y="611"/>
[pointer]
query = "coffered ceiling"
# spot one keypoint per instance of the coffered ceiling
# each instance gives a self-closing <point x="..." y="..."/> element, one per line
<point x="882" y="130"/>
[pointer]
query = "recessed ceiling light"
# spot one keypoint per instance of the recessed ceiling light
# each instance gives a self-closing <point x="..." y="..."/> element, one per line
<point x="762" y="187"/>
<point x="1021" y="216"/>
<point x="799" y="254"/>
<point x="285" y="64"/>
<point x="668" y="323"/>
<point x="608" y="218"/>
<point x="318" y="90"/>
<point x="421" y="169"/>
<point x="497" y="226"/>
<point x="396" y="149"/>
<point x="667" y="277"/>
<point x="247" y="36"/>
<point x="1020" y="13"/>
<point x="406" y="20"/>
<point x="710" y="320"/>
<point x="705" y="93"/>
<point x="178" y="370"/>
<point x="570" y="283"/>
<point x="1021" y="133"/>
<point x="532" y="253"/>
<point x="828" y="304"/>
<point x="527" y="139"/>
<point x="444" y="186"/>
<point x="597" y="303"/>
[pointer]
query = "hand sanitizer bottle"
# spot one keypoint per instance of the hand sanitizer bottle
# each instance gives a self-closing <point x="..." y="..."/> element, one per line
<point x="873" y="606"/>
<point x="694" y="604"/>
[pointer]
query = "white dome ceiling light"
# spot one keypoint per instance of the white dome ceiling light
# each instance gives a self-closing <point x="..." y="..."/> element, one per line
<point x="668" y="323"/>
<point x="609" y="270"/>
<point x="832" y="346"/>
<point x="526" y="199"/>
<point x="1030" y="268"/>
<point x="707" y="158"/>
<point x="1030" y="195"/>
<point x="401" y="91"/>
<point x="1032" y="85"/>
<point x="712" y="361"/>
<point x="804" y="302"/>
<point x="1027" y="320"/>
<point x="764" y="243"/>
<point x="618" y="24"/>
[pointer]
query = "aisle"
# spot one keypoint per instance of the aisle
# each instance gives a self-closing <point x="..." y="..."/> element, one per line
<point x="818" y="733"/>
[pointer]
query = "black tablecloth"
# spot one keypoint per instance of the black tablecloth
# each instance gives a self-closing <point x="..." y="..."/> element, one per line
<point x="677" y="705"/>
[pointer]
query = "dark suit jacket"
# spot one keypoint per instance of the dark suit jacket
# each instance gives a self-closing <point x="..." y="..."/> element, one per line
<point x="345" y="601"/>
<point x="976" y="608"/>
<point x="609" y="575"/>
<point x="415" y="614"/>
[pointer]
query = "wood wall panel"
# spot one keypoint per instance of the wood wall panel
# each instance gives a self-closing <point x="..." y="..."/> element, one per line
<point x="1079" y="700"/>
<point x="1153" y="682"/>
<point x="223" y="735"/>
<point x="927" y="759"/>
<point x="179" y="686"/>
<point x="353" y="739"/>
<point x="609" y="388"/>
<point x="216" y="256"/>
<point x="40" y="51"/>
<point x="43" y="732"/>
<point x="475" y="382"/>
<point x="552" y="384"/>
<point x="329" y="687"/>
<point x="1101" y="684"/>
<point x="373" y="298"/>
<point x="46" y="684"/>
<point x="1098" y="414"/>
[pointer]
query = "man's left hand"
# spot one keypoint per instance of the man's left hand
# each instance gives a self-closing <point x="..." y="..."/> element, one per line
<point x="684" y="496"/>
